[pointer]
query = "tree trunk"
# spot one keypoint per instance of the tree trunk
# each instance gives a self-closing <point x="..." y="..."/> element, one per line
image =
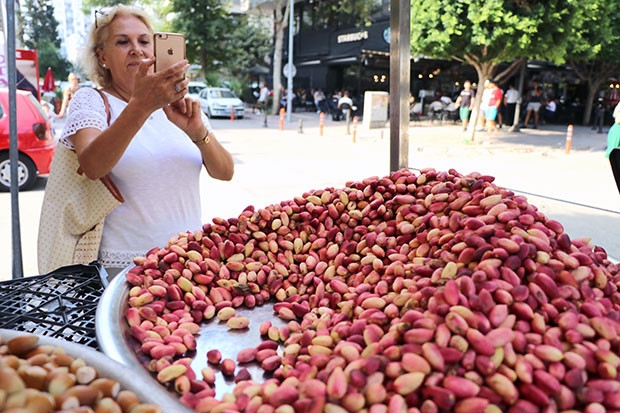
<point x="280" y="23"/>
<point x="589" y="103"/>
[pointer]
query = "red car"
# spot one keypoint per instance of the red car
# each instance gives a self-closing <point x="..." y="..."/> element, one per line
<point x="36" y="141"/>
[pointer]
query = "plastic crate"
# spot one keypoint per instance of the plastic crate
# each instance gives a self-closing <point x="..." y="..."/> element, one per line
<point x="61" y="304"/>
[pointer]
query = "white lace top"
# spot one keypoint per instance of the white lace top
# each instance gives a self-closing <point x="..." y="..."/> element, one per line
<point x="158" y="175"/>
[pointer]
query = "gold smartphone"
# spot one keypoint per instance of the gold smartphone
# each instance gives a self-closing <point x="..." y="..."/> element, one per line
<point x="169" y="49"/>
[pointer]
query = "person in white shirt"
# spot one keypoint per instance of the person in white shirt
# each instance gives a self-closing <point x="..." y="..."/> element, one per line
<point x="154" y="145"/>
<point x="263" y="95"/>
<point x="550" y="109"/>
<point x="345" y="104"/>
<point x="511" y="98"/>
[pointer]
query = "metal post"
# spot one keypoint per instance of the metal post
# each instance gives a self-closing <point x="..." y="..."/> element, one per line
<point x="515" y="125"/>
<point x="289" y="77"/>
<point x="9" y="41"/>
<point x="400" y="69"/>
<point x="347" y="118"/>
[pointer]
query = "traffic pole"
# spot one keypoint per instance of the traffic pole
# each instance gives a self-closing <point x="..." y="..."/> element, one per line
<point x="347" y="117"/>
<point x="569" y="138"/>
<point x="282" y="111"/>
<point x="354" y="128"/>
<point x="321" y="123"/>
<point x="232" y="113"/>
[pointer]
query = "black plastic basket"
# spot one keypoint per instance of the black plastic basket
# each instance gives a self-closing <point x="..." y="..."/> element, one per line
<point x="61" y="304"/>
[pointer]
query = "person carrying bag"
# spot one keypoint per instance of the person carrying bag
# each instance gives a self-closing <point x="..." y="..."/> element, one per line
<point x="155" y="143"/>
<point x="73" y="212"/>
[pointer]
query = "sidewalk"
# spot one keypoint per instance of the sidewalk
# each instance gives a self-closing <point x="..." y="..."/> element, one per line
<point x="273" y="165"/>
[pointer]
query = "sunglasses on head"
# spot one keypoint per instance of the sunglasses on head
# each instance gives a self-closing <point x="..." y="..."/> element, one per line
<point x="106" y="10"/>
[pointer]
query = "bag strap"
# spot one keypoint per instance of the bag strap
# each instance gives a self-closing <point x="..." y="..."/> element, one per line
<point x="106" y="103"/>
<point x="107" y="180"/>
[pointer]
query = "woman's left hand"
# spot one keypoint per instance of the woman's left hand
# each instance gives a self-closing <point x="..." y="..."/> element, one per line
<point x="186" y="113"/>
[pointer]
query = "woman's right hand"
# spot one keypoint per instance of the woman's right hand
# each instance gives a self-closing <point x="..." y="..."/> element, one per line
<point x="156" y="90"/>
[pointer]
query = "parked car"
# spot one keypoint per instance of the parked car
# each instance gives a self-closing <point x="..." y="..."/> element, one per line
<point x="194" y="89"/>
<point x="35" y="140"/>
<point x="219" y="101"/>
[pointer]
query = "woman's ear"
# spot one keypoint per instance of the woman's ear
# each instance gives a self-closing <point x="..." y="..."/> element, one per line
<point x="100" y="57"/>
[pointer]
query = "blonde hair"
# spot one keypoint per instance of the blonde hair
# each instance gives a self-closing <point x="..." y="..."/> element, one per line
<point x="98" y="35"/>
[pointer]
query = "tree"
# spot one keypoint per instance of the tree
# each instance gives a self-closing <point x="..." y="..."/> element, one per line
<point x="49" y="56"/>
<point x="485" y="34"/>
<point x="38" y="23"/>
<point x="206" y="24"/>
<point x="248" y="45"/>
<point x="592" y="52"/>
<point x="281" y="18"/>
<point x="333" y="13"/>
<point x="38" y="30"/>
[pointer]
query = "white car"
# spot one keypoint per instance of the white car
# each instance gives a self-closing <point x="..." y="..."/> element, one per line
<point x="194" y="89"/>
<point x="220" y="101"/>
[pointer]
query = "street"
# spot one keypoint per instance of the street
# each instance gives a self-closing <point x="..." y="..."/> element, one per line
<point x="575" y="187"/>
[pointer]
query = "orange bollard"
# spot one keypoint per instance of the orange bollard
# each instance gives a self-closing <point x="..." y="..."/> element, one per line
<point x="354" y="128"/>
<point x="321" y="123"/>
<point x="569" y="138"/>
<point x="281" y="118"/>
<point x="232" y="113"/>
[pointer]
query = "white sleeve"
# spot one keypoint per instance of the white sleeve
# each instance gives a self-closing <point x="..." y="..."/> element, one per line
<point x="87" y="110"/>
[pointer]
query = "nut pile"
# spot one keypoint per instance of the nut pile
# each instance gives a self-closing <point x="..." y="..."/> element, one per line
<point x="43" y="379"/>
<point x="429" y="292"/>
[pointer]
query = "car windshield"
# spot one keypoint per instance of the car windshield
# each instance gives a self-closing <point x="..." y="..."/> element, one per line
<point x="195" y="88"/>
<point x="222" y="93"/>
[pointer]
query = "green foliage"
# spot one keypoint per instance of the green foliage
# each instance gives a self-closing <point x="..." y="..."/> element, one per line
<point x="596" y="34"/>
<point x="235" y="85"/>
<point x="213" y="79"/>
<point x="37" y="30"/>
<point x="206" y="24"/>
<point x="492" y="31"/>
<point x="248" y="44"/>
<point x="49" y="56"/>
<point x="38" y="24"/>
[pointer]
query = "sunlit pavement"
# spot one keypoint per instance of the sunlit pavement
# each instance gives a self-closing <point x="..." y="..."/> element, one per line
<point x="572" y="185"/>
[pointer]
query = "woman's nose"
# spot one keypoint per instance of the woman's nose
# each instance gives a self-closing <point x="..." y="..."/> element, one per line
<point x="136" y="49"/>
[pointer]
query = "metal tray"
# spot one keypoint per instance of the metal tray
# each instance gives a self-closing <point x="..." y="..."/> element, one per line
<point x="146" y="391"/>
<point x="116" y="341"/>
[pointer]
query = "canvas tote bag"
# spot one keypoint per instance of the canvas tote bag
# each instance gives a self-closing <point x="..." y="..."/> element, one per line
<point x="73" y="212"/>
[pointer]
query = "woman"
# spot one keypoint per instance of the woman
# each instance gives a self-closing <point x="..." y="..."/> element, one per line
<point x="68" y="93"/>
<point x="156" y="142"/>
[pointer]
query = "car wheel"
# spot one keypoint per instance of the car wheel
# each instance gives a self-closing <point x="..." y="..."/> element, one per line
<point x="26" y="172"/>
<point x="240" y="117"/>
<point x="209" y="113"/>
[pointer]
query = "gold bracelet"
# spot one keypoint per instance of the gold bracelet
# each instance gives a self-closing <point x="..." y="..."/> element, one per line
<point x="204" y="140"/>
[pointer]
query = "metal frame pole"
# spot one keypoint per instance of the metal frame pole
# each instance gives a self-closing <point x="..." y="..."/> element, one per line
<point x="289" y="77"/>
<point x="9" y="38"/>
<point x="400" y="69"/>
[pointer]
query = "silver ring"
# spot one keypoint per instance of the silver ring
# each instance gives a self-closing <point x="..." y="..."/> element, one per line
<point x="177" y="88"/>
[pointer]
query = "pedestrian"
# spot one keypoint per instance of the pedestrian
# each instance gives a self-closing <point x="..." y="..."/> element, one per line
<point x="74" y="85"/>
<point x="465" y="102"/>
<point x="490" y="113"/>
<point x="345" y="104"/>
<point x="511" y="98"/>
<point x="599" y="116"/>
<point x="153" y="146"/>
<point x="613" y="136"/>
<point x="319" y="101"/>
<point x="535" y="101"/>
<point x="263" y="95"/>
<point x="550" y="110"/>
<point x="484" y="104"/>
